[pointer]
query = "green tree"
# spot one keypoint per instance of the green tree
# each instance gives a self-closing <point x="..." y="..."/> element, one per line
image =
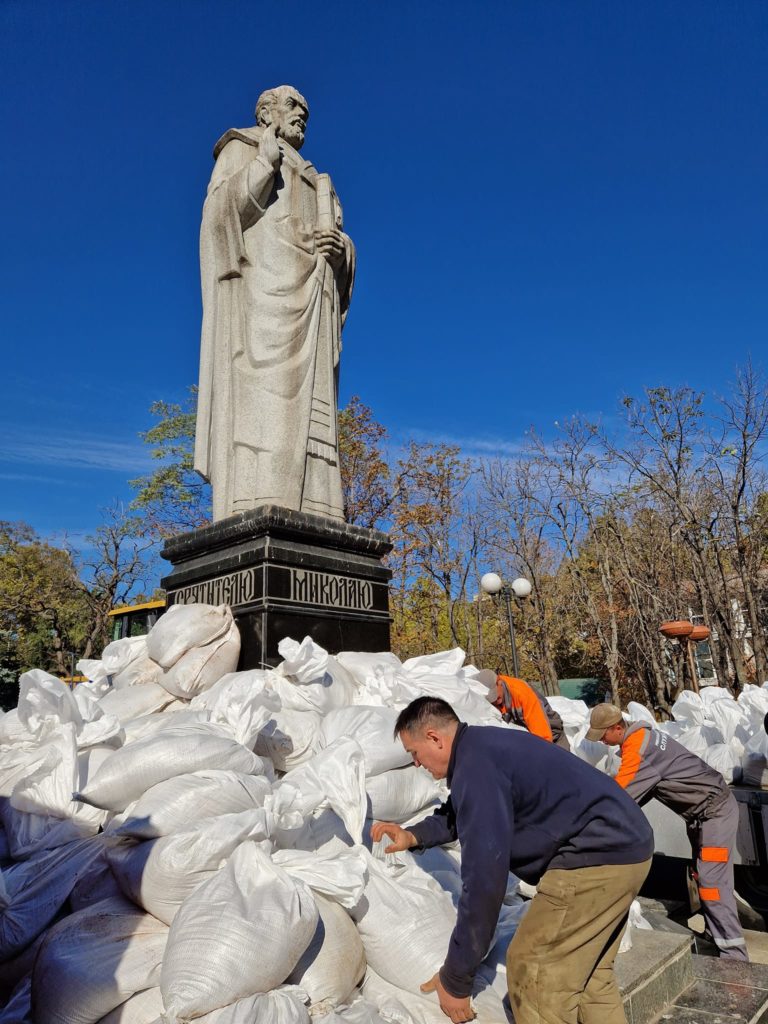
<point x="44" y="614"/>
<point x="173" y="498"/>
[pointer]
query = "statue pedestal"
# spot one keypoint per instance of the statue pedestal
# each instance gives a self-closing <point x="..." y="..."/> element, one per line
<point x="286" y="573"/>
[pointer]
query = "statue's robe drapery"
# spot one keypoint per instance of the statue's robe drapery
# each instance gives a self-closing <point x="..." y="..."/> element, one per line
<point x="273" y="309"/>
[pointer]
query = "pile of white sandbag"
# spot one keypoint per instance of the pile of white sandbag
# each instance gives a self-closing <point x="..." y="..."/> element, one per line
<point x="181" y="841"/>
<point x="724" y="731"/>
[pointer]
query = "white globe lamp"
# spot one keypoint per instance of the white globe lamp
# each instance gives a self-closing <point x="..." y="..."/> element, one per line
<point x="491" y="583"/>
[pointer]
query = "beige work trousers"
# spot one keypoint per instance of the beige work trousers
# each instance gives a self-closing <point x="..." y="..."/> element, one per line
<point x="560" y="962"/>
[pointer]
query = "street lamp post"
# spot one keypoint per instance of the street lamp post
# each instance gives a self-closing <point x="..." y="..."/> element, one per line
<point x="520" y="588"/>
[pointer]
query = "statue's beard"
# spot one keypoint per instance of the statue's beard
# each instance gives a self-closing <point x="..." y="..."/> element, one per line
<point x="293" y="135"/>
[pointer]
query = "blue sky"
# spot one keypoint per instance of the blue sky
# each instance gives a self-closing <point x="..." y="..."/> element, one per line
<point x="553" y="203"/>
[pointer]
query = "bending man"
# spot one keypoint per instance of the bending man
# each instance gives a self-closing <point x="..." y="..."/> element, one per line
<point x="520" y="704"/>
<point x="520" y="805"/>
<point x="655" y="765"/>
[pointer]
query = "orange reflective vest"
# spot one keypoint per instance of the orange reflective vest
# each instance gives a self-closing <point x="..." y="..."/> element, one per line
<point x="522" y="705"/>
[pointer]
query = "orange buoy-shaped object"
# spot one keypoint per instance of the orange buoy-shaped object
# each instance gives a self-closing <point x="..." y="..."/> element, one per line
<point x="699" y="633"/>
<point x="677" y="629"/>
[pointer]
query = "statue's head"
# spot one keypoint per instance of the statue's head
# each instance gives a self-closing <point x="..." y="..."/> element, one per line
<point x="286" y="109"/>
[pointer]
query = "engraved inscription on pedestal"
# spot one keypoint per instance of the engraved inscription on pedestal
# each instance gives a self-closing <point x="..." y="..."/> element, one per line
<point x="284" y="585"/>
<point x="235" y="589"/>
<point x="323" y="588"/>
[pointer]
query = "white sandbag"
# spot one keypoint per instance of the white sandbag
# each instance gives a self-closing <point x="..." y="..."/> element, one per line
<point x="97" y="883"/>
<point x="156" y="721"/>
<point x="127" y="662"/>
<point x="98" y="727"/>
<point x="182" y="801"/>
<point x="42" y="799"/>
<point x="400" y="794"/>
<point x="118" y="655"/>
<point x="314" y="833"/>
<point x="636" y="922"/>
<point x="28" y="834"/>
<point x="373" y="728"/>
<point x="754" y="699"/>
<point x="240" y="701"/>
<point x="133" y="701"/>
<point x="728" y="717"/>
<point x="101" y="730"/>
<point x="574" y="713"/>
<point x="289" y="738"/>
<point x="46" y="703"/>
<point x="689" y="708"/>
<point x="405" y="922"/>
<point x="441" y="663"/>
<point x="363" y="666"/>
<point x="159" y="874"/>
<point x="17" y="970"/>
<point x="360" y="1011"/>
<point x="201" y="667"/>
<point x="184" y="626"/>
<point x="302" y="662"/>
<point x="37" y="889"/>
<point x="399" y="1005"/>
<point x="17" y="761"/>
<point x="141" y="672"/>
<point x="600" y="756"/>
<point x="47" y="789"/>
<point x="335" y="872"/>
<point x="138" y="766"/>
<point x="144" y="1008"/>
<point x="334" y="962"/>
<point x="239" y="933"/>
<point x="18" y="1009"/>
<point x="710" y="694"/>
<point x="699" y="738"/>
<point x="335" y="775"/>
<point x="640" y="713"/>
<point x="94" y="960"/>
<point x="283" y="1005"/>
<point x="442" y="863"/>
<point x="724" y="759"/>
<point x="755" y="761"/>
<point x="303" y="680"/>
<point x="93" y="669"/>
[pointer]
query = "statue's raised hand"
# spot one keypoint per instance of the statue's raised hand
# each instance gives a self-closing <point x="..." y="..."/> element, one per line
<point x="268" y="147"/>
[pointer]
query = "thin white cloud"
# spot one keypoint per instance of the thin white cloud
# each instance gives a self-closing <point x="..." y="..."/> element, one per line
<point x="75" y="451"/>
<point x="471" y="447"/>
<point x="38" y="478"/>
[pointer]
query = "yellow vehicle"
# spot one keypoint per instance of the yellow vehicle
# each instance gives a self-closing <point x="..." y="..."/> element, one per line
<point x="135" y="619"/>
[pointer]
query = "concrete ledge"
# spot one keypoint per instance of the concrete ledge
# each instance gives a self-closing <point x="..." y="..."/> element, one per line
<point x="653" y="973"/>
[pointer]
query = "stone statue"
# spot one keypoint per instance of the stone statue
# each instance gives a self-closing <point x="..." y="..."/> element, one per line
<point x="277" y="274"/>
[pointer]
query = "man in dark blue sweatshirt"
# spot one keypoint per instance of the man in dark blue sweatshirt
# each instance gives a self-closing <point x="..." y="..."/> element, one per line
<point x="522" y="805"/>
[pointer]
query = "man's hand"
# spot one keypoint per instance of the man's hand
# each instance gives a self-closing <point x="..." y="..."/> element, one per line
<point x="268" y="147"/>
<point x="401" y="839"/>
<point x="459" y="1010"/>
<point x="331" y="245"/>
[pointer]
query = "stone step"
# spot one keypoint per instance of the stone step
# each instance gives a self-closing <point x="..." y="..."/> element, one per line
<point x="722" y="992"/>
<point x="654" y="973"/>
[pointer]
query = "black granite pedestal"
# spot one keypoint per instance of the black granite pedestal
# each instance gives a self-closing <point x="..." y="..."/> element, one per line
<point x="286" y="573"/>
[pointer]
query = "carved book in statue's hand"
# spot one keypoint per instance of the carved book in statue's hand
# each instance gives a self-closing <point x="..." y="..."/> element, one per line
<point x="327" y="204"/>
